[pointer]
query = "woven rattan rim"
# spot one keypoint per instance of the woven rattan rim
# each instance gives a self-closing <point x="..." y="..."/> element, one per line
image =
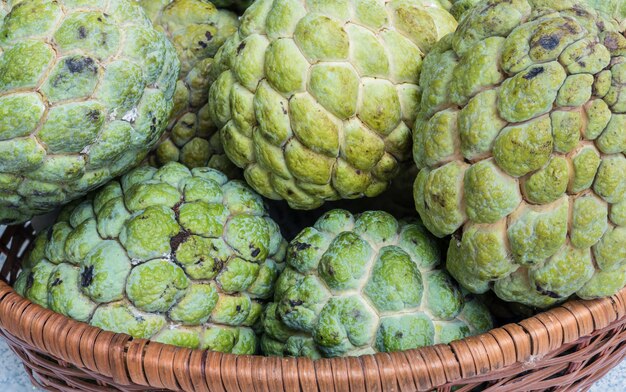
<point x="568" y="346"/>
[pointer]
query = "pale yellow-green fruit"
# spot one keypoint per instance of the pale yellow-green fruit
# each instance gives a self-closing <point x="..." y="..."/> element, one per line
<point x="521" y="139"/>
<point x="315" y="99"/>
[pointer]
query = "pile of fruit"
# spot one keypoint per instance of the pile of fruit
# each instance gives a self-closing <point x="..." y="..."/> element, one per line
<point x="235" y="175"/>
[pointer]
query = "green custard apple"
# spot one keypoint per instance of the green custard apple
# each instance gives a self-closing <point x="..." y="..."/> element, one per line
<point x="357" y="285"/>
<point x="178" y="256"/>
<point x="315" y="99"/>
<point x="197" y="29"/>
<point x="86" y="91"/>
<point x="521" y="140"/>
<point x="238" y="6"/>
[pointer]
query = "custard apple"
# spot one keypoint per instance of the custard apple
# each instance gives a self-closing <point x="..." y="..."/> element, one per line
<point x="236" y="5"/>
<point x="521" y="140"/>
<point x="85" y="92"/>
<point x="361" y="284"/>
<point x="197" y="29"/>
<point x="177" y="256"/>
<point x="315" y="99"/>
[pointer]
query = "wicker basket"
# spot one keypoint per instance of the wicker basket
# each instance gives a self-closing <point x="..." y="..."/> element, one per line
<point x="564" y="349"/>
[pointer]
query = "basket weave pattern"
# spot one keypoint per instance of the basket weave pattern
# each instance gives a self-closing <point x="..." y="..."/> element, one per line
<point x="564" y="349"/>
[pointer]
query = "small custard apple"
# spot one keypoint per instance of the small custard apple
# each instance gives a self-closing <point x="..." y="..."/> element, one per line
<point x="86" y="91"/>
<point x="172" y="255"/>
<point x="357" y="285"/>
<point x="521" y="140"/>
<point x="315" y="98"/>
<point x="197" y="29"/>
<point x="236" y="5"/>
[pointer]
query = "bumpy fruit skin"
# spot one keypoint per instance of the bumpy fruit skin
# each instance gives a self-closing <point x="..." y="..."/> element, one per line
<point x="613" y="8"/>
<point x="521" y="141"/>
<point x="315" y="99"/>
<point x="197" y="30"/>
<point x="362" y="284"/>
<point x="172" y="255"/>
<point x="458" y="8"/>
<point x="238" y="6"/>
<point x="85" y="92"/>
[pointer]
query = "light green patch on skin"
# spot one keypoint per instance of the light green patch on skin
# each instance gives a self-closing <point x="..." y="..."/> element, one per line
<point x="610" y="182"/>
<point x="377" y="227"/>
<point x="142" y="196"/>
<point x="55" y="247"/>
<point x="71" y="127"/>
<point x="395" y="282"/>
<point x="155" y="286"/>
<point x="613" y="139"/>
<point x="237" y="275"/>
<point x="248" y="237"/>
<point x="564" y="273"/>
<point x="285" y="66"/>
<point x="490" y="194"/>
<point x="446" y="332"/>
<point x="343" y="323"/>
<point x="536" y="234"/>
<point x="231" y="310"/>
<point x="203" y="219"/>
<point x="566" y="129"/>
<point x="202" y="257"/>
<point x="147" y="235"/>
<point x="598" y="117"/>
<point x="585" y="164"/>
<point x="85" y="31"/>
<point x="112" y="217"/>
<point x="121" y="86"/>
<point x="576" y="90"/>
<point x="380" y="106"/>
<point x="313" y="125"/>
<point x="610" y="252"/>
<point x="405" y="332"/>
<point x="437" y="196"/>
<point x="517" y="287"/>
<point x="73" y="77"/>
<point x="585" y="56"/>
<point x="240" y="199"/>
<point x="36" y="288"/>
<point x="120" y="317"/>
<point x="478" y="72"/>
<point x="23" y="65"/>
<point x="306" y="250"/>
<point x="19" y="115"/>
<point x="589" y="221"/>
<point x="200" y="189"/>
<point x="484" y="249"/>
<point x="179" y="336"/>
<point x="20" y="155"/>
<point x="604" y="284"/>
<point x="445" y="300"/>
<point x="64" y="295"/>
<point x="436" y="141"/>
<point x="323" y="82"/>
<point x="548" y="183"/>
<point x="521" y="149"/>
<point x="530" y="93"/>
<point x="104" y="271"/>
<point x="81" y="241"/>
<point x="322" y="38"/>
<point x="479" y="124"/>
<point x="368" y="53"/>
<point x="618" y="213"/>
<point x="343" y="264"/>
<point x="405" y="56"/>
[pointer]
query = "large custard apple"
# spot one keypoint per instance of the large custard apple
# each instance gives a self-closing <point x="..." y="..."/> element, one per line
<point x="177" y="256"/>
<point x="315" y="99"/>
<point x="362" y="284"/>
<point x="197" y="29"/>
<point x="85" y="92"/>
<point x="521" y="140"/>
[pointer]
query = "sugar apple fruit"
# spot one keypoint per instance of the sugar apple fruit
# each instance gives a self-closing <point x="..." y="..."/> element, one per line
<point x="315" y="99"/>
<point x="236" y="5"/>
<point x="521" y="140"/>
<point x="85" y="93"/>
<point x="197" y="29"/>
<point x="177" y="256"/>
<point x="361" y="284"/>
